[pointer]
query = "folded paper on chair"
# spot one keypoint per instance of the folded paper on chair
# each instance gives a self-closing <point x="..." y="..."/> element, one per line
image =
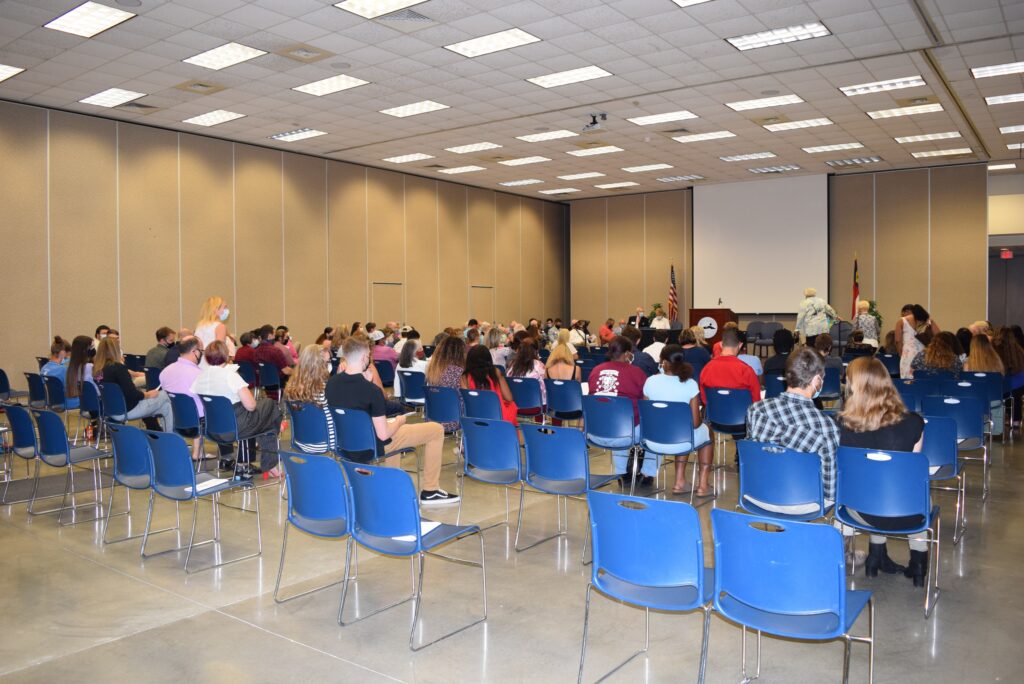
<point x="426" y="527"/>
<point x="209" y="484"/>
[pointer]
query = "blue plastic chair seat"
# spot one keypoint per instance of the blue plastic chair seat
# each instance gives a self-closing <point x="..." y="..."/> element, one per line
<point x="843" y="516"/>
<point x="134" y="481"/>
<point x="184" y="493"/>
<point x="677" y="597"/>
<point x="507" y="476"/>
<point x="329" y="527"/>
<point x="568" y="487"/>
<point x="823" y="626"/>
<point x="78" y="454"/>
<point x="396" y="547"/>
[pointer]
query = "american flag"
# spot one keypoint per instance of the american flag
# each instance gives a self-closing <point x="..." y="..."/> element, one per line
<point x="673" y="299"/>
<point x="856" y="289"/>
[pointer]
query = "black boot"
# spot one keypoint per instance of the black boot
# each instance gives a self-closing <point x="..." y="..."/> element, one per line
<point x="878" y="559"/>
<point x="917" y="569"/>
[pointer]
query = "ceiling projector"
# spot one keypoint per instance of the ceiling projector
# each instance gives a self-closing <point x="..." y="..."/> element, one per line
<point x="595" y="126"/>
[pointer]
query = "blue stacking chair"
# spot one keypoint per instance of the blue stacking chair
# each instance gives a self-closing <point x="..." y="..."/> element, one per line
<point x="23" y="444"/>
<point x="500" y="367"/>
<point x="442" y="405"/>
<point x="174" y="479"/>
<point x="994" y="383"/>
<point x="428" y="350"/>
<point x="774" y="385"/>
<point x="491" y="455"/>
<point x="557" y="464"/>
<point x="386" y="519"/>
<point x="914" y="391"/>
<point x="317" y="504"/>
<point x="787" y="579"/>
<point x="55" y="400"/>
<point x="6" y="393"/>
<point x="413" y="394"/>
<point x="481" y="404"/>
<point x="89" y="406"/>
<point x="666" y="429"/>
<point x="939" y="447"/>
<point x="269" y="379"/>
<point x="36" y="390"/>
<point x="133" y="465"/>
<point x="726" y="413"/>
<point x="526" y="394"/>
<point x="936" y="375"/>
<point x="386" y="371"/>
<point x="969" y="415"/>
<point x="115" y="408"/>
<point x="969" y="387"/>
<point x="247" y="372"/>
<point x="891" y="363"/>
<point x="152" y="377"/>
<point x="649" y="554"/>
<point x="543" y="354"/>
<point x="135" y="362"/>
<point x="889" y="484"/>
<point x="565" y="399"/>
<point x="309" y="427"/>
<point x="831" y="387"/>
<point x="779" y="476"/>
<point x="56" y="451"/>
<point x="585" y="368"/>
<point x="222" y="428"/>
<point x="609" y="418"/>
<point x="187" y="421"/>
<point x="356" y="437"/>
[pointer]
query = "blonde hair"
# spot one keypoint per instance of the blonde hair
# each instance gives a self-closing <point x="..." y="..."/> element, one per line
<point x="698" y="335"/>
<point x="310" y="376"/>
<point x="810" y="292"/>
<point x="983" y="357"/>
<point x="980" y="328"/>
<point x="108" y="352"/>
<point x="560" y="353"/>
<point x="872" y="401"/>
<point x="208" y="312"/>
<point x="863" y="306"/>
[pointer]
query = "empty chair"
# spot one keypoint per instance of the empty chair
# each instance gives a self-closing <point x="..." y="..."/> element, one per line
<point x="969" y="415"/>
<point x="527" y="395"/>
<point x="754" y="332"/>
<point x="565" y="399"/>
<point x="317" y="505"/>
<point x="135" y="362"/>
<point x="773" y="476"/>
<point x="726" y="412"/>
<point x="786" y="578"/>
<point x="174" y="479"/>
<point x="386" y="371"/>
<point x="132" y="470"/>
<point x="766" y="336"/>
<point x="481" y="403"/>
<point x="428" y="350"/>
<point x="386" y="519"/>
<point x="831" y="387"/>
<point x="36" y="390"/>
<point x="23" y="444"/>
<point x="891" y="363"/>
<point x="491" y="455"/>
<point x="840" y="333"/>
<point x="6" y="393"/>
<point x="413" y="383"/>
<point x="443" y="405"/>
<point x="939" y="447"/>
<point x="311" y="429"/>
<point x="649" y="554"/>
<point x="269" y="380"/>
<point x="152" y="377"/>
<point x="247" y="372"/>
<point x="41" y="361"/>
<point x="56" y="451"/>
<point x="55" y="400"/>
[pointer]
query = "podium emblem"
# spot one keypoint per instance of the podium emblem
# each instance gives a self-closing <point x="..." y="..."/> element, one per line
<point x="709" y="325"/>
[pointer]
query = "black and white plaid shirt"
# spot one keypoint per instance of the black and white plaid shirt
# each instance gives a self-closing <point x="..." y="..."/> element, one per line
<point x="792" y="421"/>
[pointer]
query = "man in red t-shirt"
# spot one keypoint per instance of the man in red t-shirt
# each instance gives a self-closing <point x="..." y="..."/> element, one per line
<point x="728" y="371"/>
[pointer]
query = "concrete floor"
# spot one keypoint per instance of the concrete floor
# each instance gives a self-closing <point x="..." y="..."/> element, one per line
<point x="75" y="610"/>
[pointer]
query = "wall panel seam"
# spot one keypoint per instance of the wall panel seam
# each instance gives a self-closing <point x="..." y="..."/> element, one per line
<point x="181" y="286"/>
<point x="284" y="292"/>
<point x="117" y="217"/>
<point x="49" y="265"/>
<point x="234" y="230"/>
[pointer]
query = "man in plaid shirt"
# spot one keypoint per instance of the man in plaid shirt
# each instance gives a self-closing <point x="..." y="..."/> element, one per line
<point x="792" y="421"/>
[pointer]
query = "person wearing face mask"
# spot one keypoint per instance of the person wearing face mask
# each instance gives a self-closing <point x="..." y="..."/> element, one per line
<point x="640" y="359"/>
<point x="57" y="366"/>
<point x="284" y="339"/>
<point x="247" y="350"/>
<point x="211" y="325"/>
<point x="101" y="333"/>
<point x="157" y="356"/>
<point x="270" y="353"/>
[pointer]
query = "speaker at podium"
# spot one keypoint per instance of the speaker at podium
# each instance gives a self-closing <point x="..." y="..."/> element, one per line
<point x="711" y="321"/>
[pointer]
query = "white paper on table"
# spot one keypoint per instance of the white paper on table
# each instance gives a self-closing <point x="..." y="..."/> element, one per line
<point x="426" y="527"/>
<point x="209" y="484"/>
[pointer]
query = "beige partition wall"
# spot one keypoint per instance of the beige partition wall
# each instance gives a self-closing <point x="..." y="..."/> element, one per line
<point x="920" y="237"/>
<point x="621" y="250"/>
<point x="133" y="226"/>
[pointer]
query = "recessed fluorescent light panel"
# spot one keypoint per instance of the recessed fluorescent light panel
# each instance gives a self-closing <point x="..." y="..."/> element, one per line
<point x="298" y="134"/>
<point x="775" y="169"/>
<point x="906" y="111"/>
<point x="475" y="147"/>
<point x="112" y="97"/>
<point x="7" y="71"/>
<point x="413" y="109"/>
<point x="330" y="85"/>
<point x="495" y="42"/>
<point x="224" y="56"/>
<point x="546" y="135"/>
<point x="558" y="191"/>
<point x="582" y="176"/>
<point x="998" y="70"/>
<point x="941" y="153"/>
<point x="213" y="118"/>
<point x="790" y="34"/>
<point x="647" y="167"/>
<point x="833" y="148"/>
<point x="591" y="151"/>
<point x="461" y="169"/>
<point x="681" y="115"/>
<point x="1001" y="167"/>
<point x="1004" y="99"/>
<point x="612" y="186"/>
<point x="406" y="158"/>
<point x="699" y="137"/>
<point x="854" y="161"/>
<point x="524" y="160"/>
<point x="679" y="179"/>
<point x="525" y="181"/>
<point x="748" y="157"/>
<point x="690" y="3"/>
<point x="882" y="86"/>
<point x="904" y="139"/>
<point x="89" y="19"/>
<point x="1005" y="130"/>
<point x="371" y="9"/>
<point x="562" y="78"/>
<point x="763" y="102"/>
<point x="1015" y="146"/>
<point x="793" y="125"/>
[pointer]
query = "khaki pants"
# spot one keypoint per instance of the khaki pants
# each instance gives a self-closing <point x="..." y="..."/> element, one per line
<point x="431" y="437"/>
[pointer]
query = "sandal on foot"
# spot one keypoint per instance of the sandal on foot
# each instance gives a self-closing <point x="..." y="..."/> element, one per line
<point x="686" y="489"/>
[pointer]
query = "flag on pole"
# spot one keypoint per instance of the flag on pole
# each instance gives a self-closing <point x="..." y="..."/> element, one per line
<point x="673" y="300"/>
<point x="856" y="289"/>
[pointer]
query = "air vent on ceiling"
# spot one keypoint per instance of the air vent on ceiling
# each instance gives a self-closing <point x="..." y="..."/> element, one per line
<point x="675" y="131"/>
<point x="435" y="166"/>
<point x="406" y="15"/>
<point x="304" y="53"/>
<point x="139" y="108"/>
<point x="200" y="87"/>
<point x="915" y="101"/>
<point x="592" y="143"/>
<point x="769" y="120"/>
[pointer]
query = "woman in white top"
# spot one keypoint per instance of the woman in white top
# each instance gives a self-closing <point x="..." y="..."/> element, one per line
<point x="409" y="360"/>
<point x="915" y="319"/>
<point x="676" y="383"/>
<point x="577" y="336"/>
<point x="254" y="417"/>
<point x="211" y="325"/>
<point x="499" y="352"/>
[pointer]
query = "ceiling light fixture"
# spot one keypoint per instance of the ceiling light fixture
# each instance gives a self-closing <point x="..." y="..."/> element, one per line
<point x="689" y="3"/>
<point x="89" y="19"/>
<point x="298" y="134"/>
<point x="1015" y="146"/>
<point x="1001" y="167"/>
<point x="112" y="97"/>
<point x="475" y="147"/>
<point x="647" y="167"/>
<point x="591" y="151"/>
<point x="748" y="157"/>
<point x="562" y="78"/>
<point x="406" y="158"/>
<point x="462" y="169"/>
<point x="558" y="191"/>
<point x="678" y="179"/>
<point x="881" y="86"/>
<point x="494" y="42"/>
<point x="525" y="181"/>
<point x="789" y="34"/>
<point x="613" y="186"/>
<point x="524" y="160"/>
<point x="213" y="118"/>
<point x="371" y="9"/>
<point x="775" y="169"/>
<point x="681" y="115"/>
<point x="224" y="56"/>
<point x="833" y="148"/>
<point x="414" y="108"/>
<point x="1005" y="130"/>
<point x="998" y="70"/>
<point x="906" y="111"/>
<point x="7" y="71"/>
<point x="330" y="85"/>
<point x="581" y="176"/>
<point x="941" y="153"/>
<point x="1004" y="99"/>
<point x="904" y="139"/>
<point x="793" y="125"/>
<point x="763" y="102"/>
<point x="699" y="137"/>
<point x="547" y="135"/>
<point x="854" y="161"/>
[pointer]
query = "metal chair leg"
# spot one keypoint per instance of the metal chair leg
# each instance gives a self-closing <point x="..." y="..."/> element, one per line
<point x="519" y="525"/>
<point x="419" y="595"/>
<point x="743" y="655"/>
<point x="932" y="591"/>
<point x="280" y="571"/>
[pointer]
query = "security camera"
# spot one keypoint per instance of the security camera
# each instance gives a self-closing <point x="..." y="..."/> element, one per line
<point x="595" y="126"/>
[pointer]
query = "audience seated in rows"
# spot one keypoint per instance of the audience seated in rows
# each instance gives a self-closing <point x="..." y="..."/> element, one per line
<point x="108" y="367"/>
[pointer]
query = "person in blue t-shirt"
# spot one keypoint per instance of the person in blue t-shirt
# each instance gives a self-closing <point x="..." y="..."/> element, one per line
<point x="57" y="366"/>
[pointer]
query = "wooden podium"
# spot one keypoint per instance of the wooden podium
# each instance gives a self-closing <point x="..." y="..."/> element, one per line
<point x="712" y="320"/>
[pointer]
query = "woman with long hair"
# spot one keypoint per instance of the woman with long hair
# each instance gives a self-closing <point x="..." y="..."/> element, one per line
<point x="527" y="364"/>
<point x="983" y="357"/>
<point x="676" y="383"/>
<point x="109" y="368"/>
<point x="480" y="374"/>
<point x="409" y="359"/>
<point x="914" y="321"/>
<point x="211" y="326"/>
<point x="1012" y="355"/>
<point x="561" y="364"/>
<point x="874" y="417"/>
<point x="79" y="367"/>
<point x="563" y="341"/>
<point x="940" y="354"/>
<point x="446" y="366"/>
<point x="307" y="386"/>
<point x="493" y="342"/>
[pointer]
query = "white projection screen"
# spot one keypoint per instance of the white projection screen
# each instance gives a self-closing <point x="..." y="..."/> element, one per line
<point x="758" y="244"/>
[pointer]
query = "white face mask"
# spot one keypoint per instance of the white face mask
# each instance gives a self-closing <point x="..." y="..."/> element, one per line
<point x="225" y="313"/>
